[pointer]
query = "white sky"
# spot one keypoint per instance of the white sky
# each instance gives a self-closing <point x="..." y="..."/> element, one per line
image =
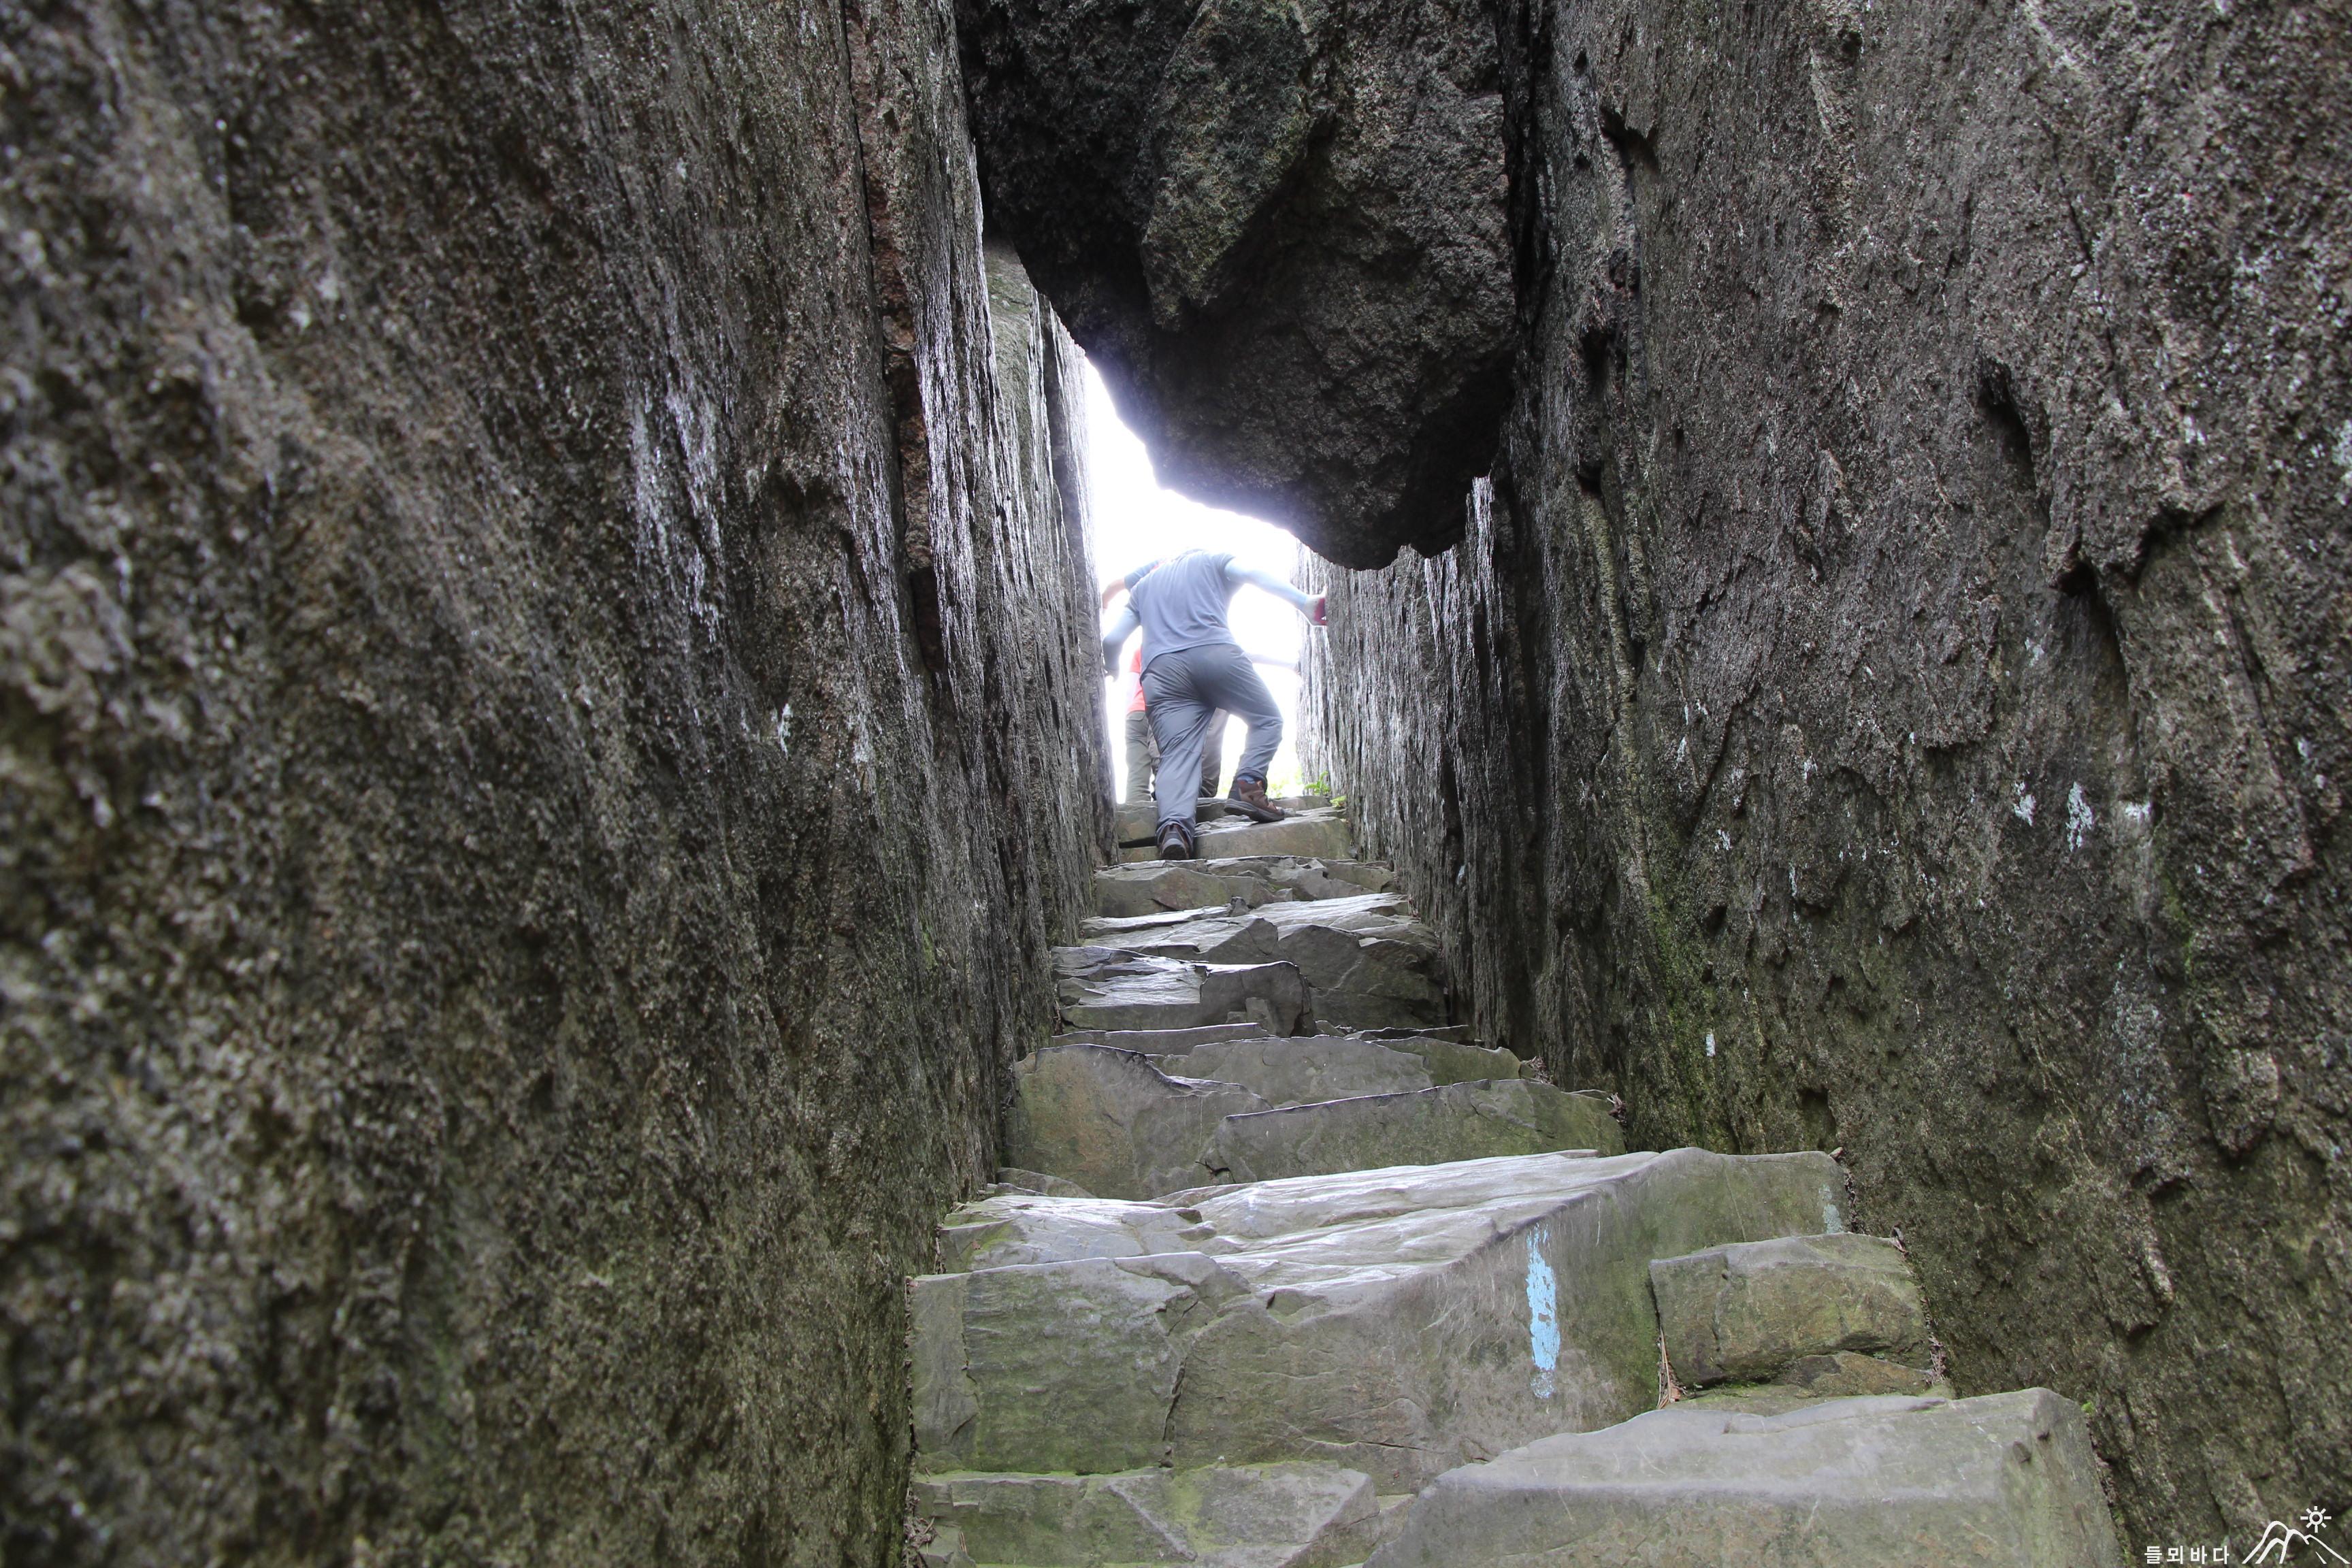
<point x="1135" y="520"/>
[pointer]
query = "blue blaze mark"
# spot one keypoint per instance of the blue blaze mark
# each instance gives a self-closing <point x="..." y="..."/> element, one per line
<point x="1543" y="1317"/>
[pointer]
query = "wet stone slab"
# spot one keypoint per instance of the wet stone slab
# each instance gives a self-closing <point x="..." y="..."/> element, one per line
<point x="1310" y="1068"/>
<point x="1319" y="835"/>
<point x="1137" y="822"/>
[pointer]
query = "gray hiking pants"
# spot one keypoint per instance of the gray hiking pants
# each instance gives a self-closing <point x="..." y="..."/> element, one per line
<point x="1183" y="693"/>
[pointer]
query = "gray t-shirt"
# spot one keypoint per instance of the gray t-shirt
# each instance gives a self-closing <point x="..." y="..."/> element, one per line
<point x="1181" y="603"/>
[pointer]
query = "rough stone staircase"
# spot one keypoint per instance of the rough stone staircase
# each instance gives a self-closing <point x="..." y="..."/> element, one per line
<point x="1286" y="1271"/>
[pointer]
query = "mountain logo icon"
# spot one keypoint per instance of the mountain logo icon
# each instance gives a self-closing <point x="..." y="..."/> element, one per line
<point x="2279" y="1541"/>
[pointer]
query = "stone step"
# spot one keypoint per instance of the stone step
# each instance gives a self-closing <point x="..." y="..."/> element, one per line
<point x="1295" y="1071"/>
<point x="1138" y="821"/>
<point x="1295" y="1515"/>
<point x="1424" y="1126"/>
<point x="1802" y="1307"/>
<point x="2007" y="1478"/>
<point x="1158" y="1043"/>
<point x="1110" y="1121"/>
<point x="1398" y="1322"/>
<point x="1120" y="1127"/>
<point x="1371" y="962"/>
<point x="1153" y="887"/>
<point x="1318" y="835"/>
<point x="1455" y="1034"/>
<point x="1276" y="1248"/>
<point x="1036" y="1184"/>
<point x="1285" y="1072"/>
<point x="1176" y="1042"/>
<point x="1110" y="988"/>
<point x="1448" y="1056"/>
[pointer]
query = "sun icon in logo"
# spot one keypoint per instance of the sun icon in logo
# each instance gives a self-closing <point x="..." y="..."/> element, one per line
<point x="2314" y="1519"/>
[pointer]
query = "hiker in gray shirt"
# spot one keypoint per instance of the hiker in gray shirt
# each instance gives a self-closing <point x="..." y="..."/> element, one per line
<point x="1192" y="669"/>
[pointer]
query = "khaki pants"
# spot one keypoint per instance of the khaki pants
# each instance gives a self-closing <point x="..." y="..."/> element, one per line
<point x="1143" y="754"/>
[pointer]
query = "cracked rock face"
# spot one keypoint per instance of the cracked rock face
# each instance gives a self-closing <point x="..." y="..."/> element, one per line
<point x="1892" y="693"/>
<point x="1277" y="228"/>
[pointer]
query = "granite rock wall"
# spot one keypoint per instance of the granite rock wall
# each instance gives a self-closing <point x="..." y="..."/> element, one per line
<point x="1892" y="693"/>
<point x="547" y="718"/>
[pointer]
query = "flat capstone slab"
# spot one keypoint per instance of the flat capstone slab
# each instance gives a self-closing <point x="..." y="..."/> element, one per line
<point x="1369" y="961"/>
<point x="1118" y="1126"/>
<point x="1138" y="820"/>
<point x="1451" y="1054"/>
<point x="2005" y="1479"/>
<point x="1157" y="1042"/>
<point x="1746" y="1312"/>
<point x="1449" y="1057"/>
<point x="1214" y="933"/>
<point x="1400" y="1322"/>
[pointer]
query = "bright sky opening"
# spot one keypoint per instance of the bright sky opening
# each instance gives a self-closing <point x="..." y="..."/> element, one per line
<point x="1135" y="520"/>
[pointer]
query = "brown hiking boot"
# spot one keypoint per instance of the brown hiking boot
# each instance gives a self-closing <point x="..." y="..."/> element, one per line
<point x="1176" y="841"/>
<point x="1249" y="799"/>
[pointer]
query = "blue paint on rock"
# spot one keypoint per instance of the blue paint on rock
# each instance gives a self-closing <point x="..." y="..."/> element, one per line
<point x="1543" y="1317"/>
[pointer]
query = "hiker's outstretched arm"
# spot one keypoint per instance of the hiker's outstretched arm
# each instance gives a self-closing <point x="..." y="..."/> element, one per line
<point x="1116" y="639"/>
<point x="1309" y="605"/>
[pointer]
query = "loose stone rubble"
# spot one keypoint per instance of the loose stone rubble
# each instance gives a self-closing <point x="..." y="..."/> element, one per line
<point x="1260" y="1290"/>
